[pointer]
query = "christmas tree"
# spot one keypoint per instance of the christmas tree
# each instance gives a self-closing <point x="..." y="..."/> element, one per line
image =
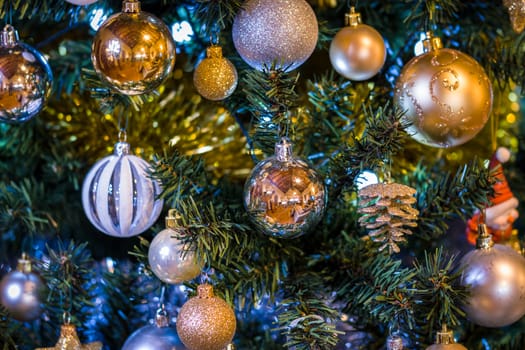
<point x="261" y="174"/>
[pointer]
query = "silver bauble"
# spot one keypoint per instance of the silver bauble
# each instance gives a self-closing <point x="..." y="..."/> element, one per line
<point x="284" y="196"/>
<point x="170" y="259"/>
<point x="21" y="292"/>
<point x="495" y="276"/>
<point x="25" y="79"/>
<point x="154" y="337"/>
<point x="283" y="32"/>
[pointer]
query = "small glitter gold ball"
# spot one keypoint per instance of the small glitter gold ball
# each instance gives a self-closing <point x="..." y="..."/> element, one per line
<point x="215" y="78"/>
<point x="206" y="322"/>
<point x="133" y="51"/>
<point x="447" y="97"/>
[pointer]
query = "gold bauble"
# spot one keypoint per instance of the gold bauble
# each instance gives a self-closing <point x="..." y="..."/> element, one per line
<point x="447" y="97"/>
<point x="206" y="322"/>
<point x="215" y="78"/>
<point x="284" y="196"/>
<point x="357" y="51"/>
<point x="517" y="14"/>
<point x="133" y="51"/>
<point x="445" y="341"/>
<point x="495" y="276"/>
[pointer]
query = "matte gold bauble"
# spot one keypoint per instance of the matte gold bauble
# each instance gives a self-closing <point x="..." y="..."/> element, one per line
<point x="133" y="51"/>
<point x="206" y="322"/>
<point x="284" y="196"/>
<point x="446" y="94"/>
<point x="357" y="51"/>
<point x="495" y="276"/>
<point x="215" y="78"/>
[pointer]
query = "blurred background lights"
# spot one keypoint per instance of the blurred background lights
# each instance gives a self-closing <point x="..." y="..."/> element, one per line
<point x="182" y="31"/>
<point x="366" y="178"/>
<point x="97" y="17"/>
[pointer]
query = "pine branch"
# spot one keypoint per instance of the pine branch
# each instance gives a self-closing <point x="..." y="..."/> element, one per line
<point x="68" y="62"/>
<point x="432" y="12"/>
<point x="443" y="196"/>
<point x="6" y="332"/>
<point x="271" y="96"/>
<point x="217" y="15"/>
<point x="438" y="293"/>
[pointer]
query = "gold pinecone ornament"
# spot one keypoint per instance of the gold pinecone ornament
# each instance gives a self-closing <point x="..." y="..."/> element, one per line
<point x="387" y="213"/>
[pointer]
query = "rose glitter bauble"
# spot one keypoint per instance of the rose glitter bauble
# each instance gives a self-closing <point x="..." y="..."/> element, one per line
<point x="446" y="96"/>
<point x="283" y="32"/>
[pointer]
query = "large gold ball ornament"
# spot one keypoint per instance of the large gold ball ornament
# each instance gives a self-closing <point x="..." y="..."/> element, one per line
<point x="206" y="322"/>
<point x="283" y="32"/>
<point x="133" y="51"/>
<point x="495" y="276"/>
<point x="215" y="78"/>
<point x="25" y="79"/>
<point x="283" y="195"/>
<point x="357" y="51"/>
<point x="446" y="96"/>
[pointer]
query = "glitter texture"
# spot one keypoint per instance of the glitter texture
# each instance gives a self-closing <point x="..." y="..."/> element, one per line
<point x="447" y="97"/>
<point x="206" y="322"/>
<point x="133" y="51"/>
<point x="215" y="78"/>
<point x="280" y="31"/>
<point x="68" y="340"/>
<point x="517" y="14"/>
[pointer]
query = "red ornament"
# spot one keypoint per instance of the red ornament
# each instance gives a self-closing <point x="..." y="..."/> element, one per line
<point x="502" y="213"/>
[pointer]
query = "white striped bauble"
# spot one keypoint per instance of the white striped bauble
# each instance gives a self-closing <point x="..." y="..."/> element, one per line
<point x="118" y="195"/>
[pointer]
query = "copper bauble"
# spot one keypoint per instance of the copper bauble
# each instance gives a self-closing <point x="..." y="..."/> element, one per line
<point x="284" y="196"/>
<point x="170" y="259"/>
<point x="133" y="51"/>
<point x="495" y="275"/>
<point x="206" y="322"/>
<point x="22" y="292"/>
<point x="215" y="78"/>
<point x="446" y="94"/>
<point x="25" y="79"/>
<point x="357" y="51"/>
<point x="283" y="32"/>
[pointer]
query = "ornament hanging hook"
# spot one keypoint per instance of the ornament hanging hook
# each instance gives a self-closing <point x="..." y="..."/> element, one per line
<point x="66" y="317"/>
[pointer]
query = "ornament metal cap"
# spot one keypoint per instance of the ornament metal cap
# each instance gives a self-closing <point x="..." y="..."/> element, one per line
<point x="445" y="336"/>
<point x="394" y="342"/>
<point x="162" y="318"/>
<point x="24" y="264"/>
<point x="431" y="43"/>
<point x="205" y="291"/>
<point x="214" y="51"/>
<point x="131" y="6"/>
<point x="283" y="150"/>
<point x="122" y="147"/>
<point x="352" y="18"/>
<point x="173" y="219"/>
<point x="484" y="240"/>
<point x="8" y="36"/>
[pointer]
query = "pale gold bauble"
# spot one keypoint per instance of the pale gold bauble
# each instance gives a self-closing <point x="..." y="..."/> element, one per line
<point x="215" y="78"/>
<point x="206" y="322"/>
<point x="133" y="51"/>
<point x="446" y="95"/>
<point x="495" y="276"/>
<point x="357" y="51"/>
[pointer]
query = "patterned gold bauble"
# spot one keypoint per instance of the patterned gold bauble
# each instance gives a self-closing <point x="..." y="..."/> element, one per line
<point x="215" y="78"/>
<point x="284" y="196"/>
<point x="446" y="94"/>
<point x="495" y="276"/>
<point x="133" y="51"/>
<point x="386" y="211"/>
<point x="68" y="340"/>
<point x="445" y="341"/>
<point x="283" y="32"/>
<point x="517" y="14"/>
<point x="25" y="79"/>
<point x="357" y="51"/>
<point x="206" y="322"/>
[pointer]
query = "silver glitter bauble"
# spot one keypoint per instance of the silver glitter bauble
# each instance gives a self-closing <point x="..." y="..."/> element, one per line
<point x="25" y="79"/>
<point x="170" y="259"/>
<point x="495" y="276"/>
<point x="284" y="196"/>
<point x="357" y="51"/>
<point x="154" y="337"/>
<point x="118" y="195"/>
<point x="21" y="292"/>
<point x="133" y="51"/>
<point x="275" y="31"/>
